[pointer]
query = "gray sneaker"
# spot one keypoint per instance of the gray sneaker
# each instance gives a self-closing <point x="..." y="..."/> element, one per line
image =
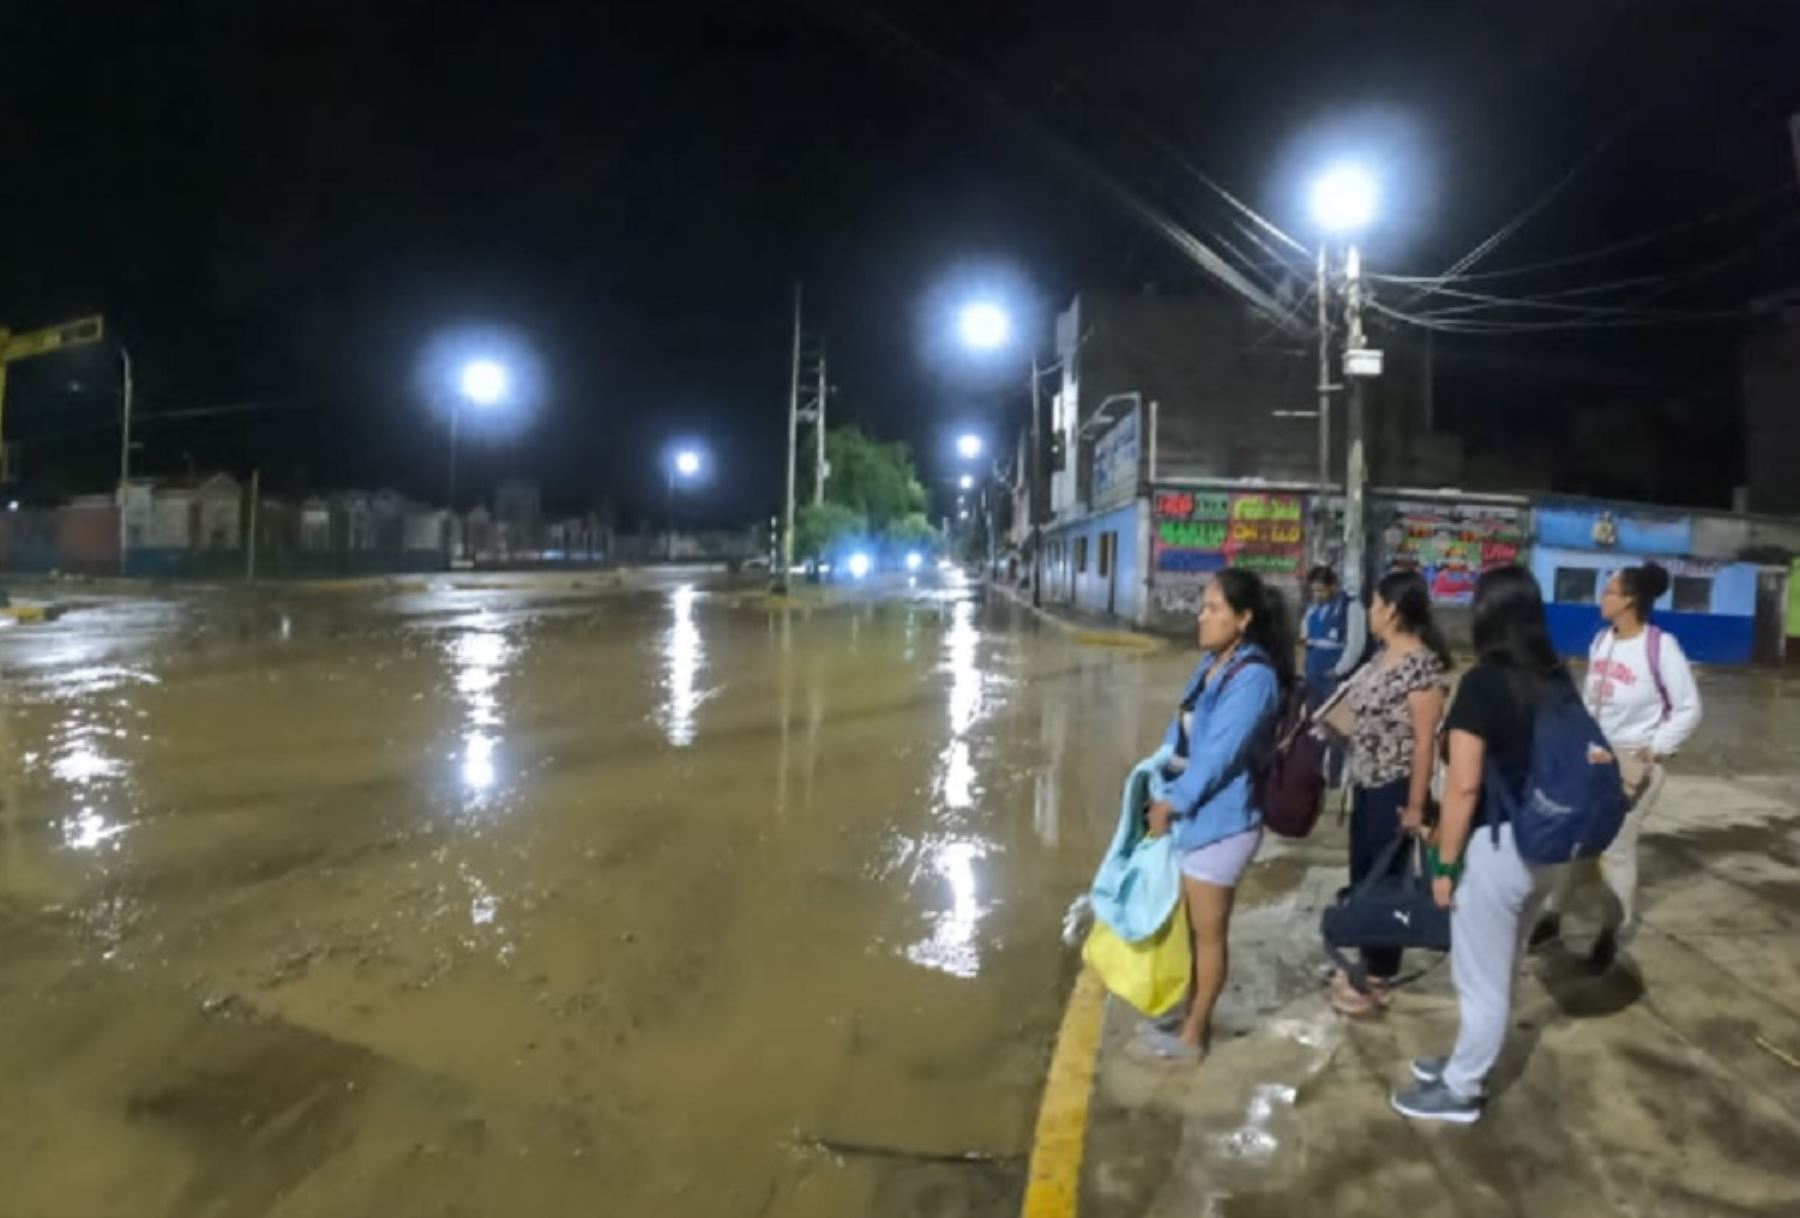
<point x="1435" y="1102"/>
<point x="1429" y="1070"/>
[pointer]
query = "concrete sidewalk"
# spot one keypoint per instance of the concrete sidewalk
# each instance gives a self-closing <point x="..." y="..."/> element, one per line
<point x="1669" y="1087"/>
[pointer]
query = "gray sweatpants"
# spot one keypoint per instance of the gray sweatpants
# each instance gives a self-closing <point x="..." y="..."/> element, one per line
<point x="1497" y="891"/>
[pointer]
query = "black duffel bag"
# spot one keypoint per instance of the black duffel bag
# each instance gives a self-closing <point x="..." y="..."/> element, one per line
<point x="1391" y="907"/>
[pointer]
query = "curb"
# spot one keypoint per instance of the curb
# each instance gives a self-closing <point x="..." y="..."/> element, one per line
<point x="1087" y="636"/>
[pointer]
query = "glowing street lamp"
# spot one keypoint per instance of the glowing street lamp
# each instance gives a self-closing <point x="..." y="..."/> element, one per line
<point x="967" y="482"/>
<point x="685" y="465"/>
<point x="968" y="446"/>
<point x="485" y="382"/>
<point x="984" y="326"/>
<point x="1343" y="199"/>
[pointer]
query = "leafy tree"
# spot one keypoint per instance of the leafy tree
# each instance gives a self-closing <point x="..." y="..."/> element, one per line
<point x="915" y="531"/>
<point x="876" y="480"/>
<point x="818" y="527"/>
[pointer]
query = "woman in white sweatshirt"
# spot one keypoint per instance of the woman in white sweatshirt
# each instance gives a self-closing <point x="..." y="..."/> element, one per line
<point x="1641" y="690"/>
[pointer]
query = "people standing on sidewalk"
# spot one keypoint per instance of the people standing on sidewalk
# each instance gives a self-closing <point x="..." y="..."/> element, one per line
<point x="1220" y="734"/>
<point x="1398" y="701"/>
<point x="1642" y="693"/>
<point x="1335" y="633"/>
<point x="1477" y="871"/>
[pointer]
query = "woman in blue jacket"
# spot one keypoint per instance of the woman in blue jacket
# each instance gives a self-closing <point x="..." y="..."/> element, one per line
<point x="1221" y="734"/>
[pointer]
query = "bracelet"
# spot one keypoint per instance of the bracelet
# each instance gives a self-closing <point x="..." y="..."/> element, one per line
<point x="1442" y="870"/>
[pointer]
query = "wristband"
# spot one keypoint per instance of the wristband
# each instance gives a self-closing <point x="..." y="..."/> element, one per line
<point x="1440" y="869"/>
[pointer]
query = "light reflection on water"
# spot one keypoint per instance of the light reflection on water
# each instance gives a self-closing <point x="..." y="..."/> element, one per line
<point x="951" y="946"/>
<point x="684" y="653"/>
<point x="480" y="657"/>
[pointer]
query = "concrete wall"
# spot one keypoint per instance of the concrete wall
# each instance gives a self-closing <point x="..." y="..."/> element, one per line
<point x="1072" y="563"/>
<point x="1711" y="608"/>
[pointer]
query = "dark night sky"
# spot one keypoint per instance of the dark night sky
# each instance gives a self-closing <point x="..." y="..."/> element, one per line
<point x="283" y="202"/>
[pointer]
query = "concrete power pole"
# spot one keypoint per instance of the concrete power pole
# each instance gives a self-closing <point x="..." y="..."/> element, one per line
<point x="1036" y="490"/>
<point x="125" y="392"/>
<point x="821" y="468"/>
<point x="1360" y="363"/>
<point x="793" y="426"/>
<point x="1321" y="546"/>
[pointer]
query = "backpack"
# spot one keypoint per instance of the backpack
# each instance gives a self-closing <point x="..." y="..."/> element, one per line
<point x="1290" y="786"/>
<point x="1573" y="800"/>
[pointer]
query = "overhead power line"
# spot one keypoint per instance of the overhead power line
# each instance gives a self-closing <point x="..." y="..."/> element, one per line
<point x="1152" y="216"/>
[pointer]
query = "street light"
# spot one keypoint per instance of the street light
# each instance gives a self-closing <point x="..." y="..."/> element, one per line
<point x="967" y="482"/>
<point x="485" y="382"/>
<point x="1343" y="204"/>
<point x="984" y="326"/>
<point x="968" y="446"/>
<point x="685" y="464"/>
<point x="1343" y="199"/>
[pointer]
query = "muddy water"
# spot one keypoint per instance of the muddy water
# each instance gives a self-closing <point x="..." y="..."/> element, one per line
<point x="542" y="898"/>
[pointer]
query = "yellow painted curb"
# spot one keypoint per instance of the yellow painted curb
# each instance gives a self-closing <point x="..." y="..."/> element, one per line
<point x="1053" y="1181"/>
<point x="1118" y="638"/>
<point x="25" y="613"/>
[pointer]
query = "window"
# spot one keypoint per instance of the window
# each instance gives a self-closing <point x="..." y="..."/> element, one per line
<point x="1693" y="594"/>
<point x="1575" y="585"/>
<point x="1107" y="541"/>
<point x="1081" y="556"/>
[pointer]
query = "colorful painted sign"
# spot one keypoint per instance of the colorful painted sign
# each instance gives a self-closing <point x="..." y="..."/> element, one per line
<point x="1451" y="544"/>
<point x="1199" y="531"/>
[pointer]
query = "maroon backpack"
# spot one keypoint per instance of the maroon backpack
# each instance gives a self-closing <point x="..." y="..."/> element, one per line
<point x="1290" y="784"/>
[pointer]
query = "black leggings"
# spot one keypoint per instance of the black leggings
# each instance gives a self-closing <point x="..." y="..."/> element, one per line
<point x="1374" y="824"/>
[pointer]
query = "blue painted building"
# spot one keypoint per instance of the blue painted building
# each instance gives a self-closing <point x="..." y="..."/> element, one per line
<point x="1711" y="604"/>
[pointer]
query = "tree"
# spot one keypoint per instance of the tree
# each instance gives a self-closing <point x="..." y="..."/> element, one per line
<point x="820" y="526"/>
<point x="875" y="480"/>
<point x="914" y="531"/>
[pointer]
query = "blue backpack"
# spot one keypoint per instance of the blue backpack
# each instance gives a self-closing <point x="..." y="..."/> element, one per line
<point x="1573" y="800"/>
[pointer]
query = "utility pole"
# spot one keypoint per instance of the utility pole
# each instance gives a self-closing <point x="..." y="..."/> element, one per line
<point x="250" y="540"/>
<point x="1036" y="488"/>
<point x="1322" y="522"/>
<point x="793" y="426"/>
<point x="821" y="469"/>
<point x="1360" y="363"/>
<point x="125" y="395"/>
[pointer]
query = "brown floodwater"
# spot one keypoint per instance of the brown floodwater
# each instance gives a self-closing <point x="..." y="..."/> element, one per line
<point x="546" y="896"/>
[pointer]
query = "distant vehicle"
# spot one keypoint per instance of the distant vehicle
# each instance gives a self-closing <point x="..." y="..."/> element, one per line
<point x="759" y="563"/>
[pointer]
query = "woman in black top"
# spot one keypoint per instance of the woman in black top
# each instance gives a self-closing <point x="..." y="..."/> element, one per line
<point x="1490" y="721"/>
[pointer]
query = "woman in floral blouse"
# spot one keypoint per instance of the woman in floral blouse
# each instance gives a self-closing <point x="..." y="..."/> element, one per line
<point x="1398" y="698"/>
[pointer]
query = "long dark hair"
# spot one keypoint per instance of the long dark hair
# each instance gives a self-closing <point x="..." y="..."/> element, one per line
<point x="1246" y="592"/>
<point x="1511" y="631"/>
<point x="1410" y="598"/>
<point x="1643" y="587"/>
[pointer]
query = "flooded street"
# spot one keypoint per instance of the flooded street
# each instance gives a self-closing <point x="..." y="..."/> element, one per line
<point x="543" y="896"/>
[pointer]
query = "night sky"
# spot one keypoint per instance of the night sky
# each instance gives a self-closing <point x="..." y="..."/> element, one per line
<point x="281" y="204"/>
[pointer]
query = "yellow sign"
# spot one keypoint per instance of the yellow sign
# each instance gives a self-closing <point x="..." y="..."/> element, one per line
<point x="52" y="338"/>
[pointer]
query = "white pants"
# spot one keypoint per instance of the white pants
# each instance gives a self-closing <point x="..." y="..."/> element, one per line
<point x="1618" y="867"/>
<point x="1498" y="889"/>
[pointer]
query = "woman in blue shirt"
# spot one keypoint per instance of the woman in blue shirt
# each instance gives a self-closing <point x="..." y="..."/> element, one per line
<point x="1221" y="734"/>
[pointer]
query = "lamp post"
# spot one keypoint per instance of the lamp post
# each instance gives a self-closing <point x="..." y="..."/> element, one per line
<point x="684" y="465"/>
<point x="1343" y="204"/>
<point x="484" y="383"/>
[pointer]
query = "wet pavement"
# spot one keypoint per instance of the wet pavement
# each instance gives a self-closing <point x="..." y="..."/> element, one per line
<point x="560" y="895"/>
<point x="588" y="895"/>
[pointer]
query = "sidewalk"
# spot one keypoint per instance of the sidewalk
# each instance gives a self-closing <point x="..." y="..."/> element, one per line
<point x="1670" y="1087"/>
